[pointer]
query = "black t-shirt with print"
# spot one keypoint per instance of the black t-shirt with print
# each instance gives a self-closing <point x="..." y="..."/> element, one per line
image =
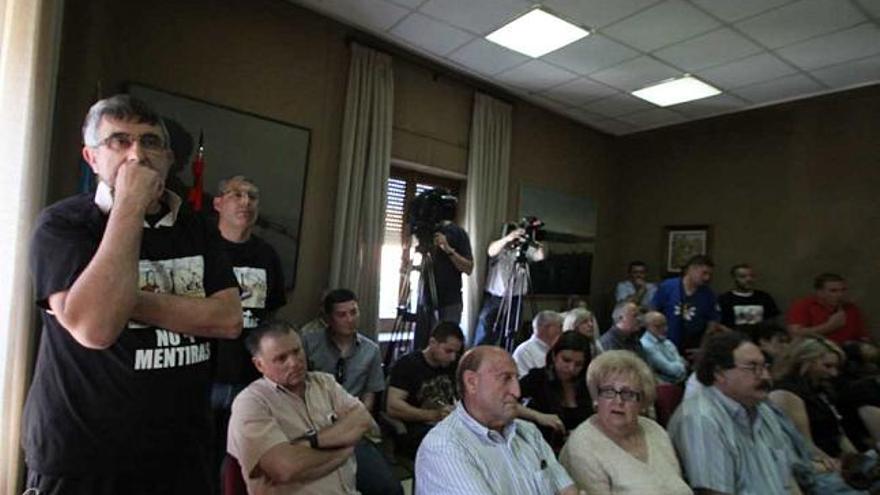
<point x="258" y="270"/>
<point x="141" y="404"/>
<point x="427" y="387"/>
<point x="746" y="310"/>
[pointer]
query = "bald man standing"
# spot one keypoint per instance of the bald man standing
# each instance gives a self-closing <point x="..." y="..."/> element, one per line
<point x="481" y="449"/>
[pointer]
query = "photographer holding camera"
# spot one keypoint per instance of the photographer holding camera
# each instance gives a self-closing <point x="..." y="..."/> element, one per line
<point x="452" y="257"/>
<point x="518" y="244"/>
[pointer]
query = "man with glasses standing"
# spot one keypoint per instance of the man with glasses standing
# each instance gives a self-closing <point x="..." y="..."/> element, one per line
<point x="356" y="363"/>
<point x="261" y="279"/>
<point x="131" y="289"/>
<point x="728" y="438"/>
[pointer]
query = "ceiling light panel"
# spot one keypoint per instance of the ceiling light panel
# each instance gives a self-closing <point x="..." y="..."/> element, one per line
<point x="676" y="91"/>
<point x="537" y="33"/>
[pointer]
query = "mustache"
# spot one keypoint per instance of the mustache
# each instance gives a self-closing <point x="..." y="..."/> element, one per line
<point x="764" y="385"/>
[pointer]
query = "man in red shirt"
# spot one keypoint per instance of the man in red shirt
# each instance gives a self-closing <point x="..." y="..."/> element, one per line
<point x="827" y="312"/>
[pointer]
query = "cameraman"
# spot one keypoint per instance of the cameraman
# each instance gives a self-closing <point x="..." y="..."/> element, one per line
<point x="502" y="262"/>
<point x="452" y="258"/>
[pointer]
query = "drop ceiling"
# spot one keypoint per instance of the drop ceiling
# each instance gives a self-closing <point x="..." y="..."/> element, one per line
<point x="758" y="52"/>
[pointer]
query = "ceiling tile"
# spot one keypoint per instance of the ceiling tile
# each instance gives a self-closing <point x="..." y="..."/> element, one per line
<point x="800" y="20"/>
<point x="612" y="126"/>
<point x="619" y="104"/>
<point x="635" y="74"/>
<point x="535" y="76"/>
<point x="590" y="54"/>
<point x="872" y="6"/>
<point x="652" y="118"/>
<point x="757" y="68"/>
<point x="661" y="25"/>
<point x="429" y="34"/>
<point x="487" y="57"/>
<point x="548" y="103"/>
<point x="783" y="88"/>
<point x="579" y="91"/>
<point x="481" y="17"/>
<point x="372" y="14"/>
<point x="710" y="49"/>
<point x="855" y="43"/>
<point x="596" y="14"/>
<point x="862" y="71"/>
<point x="710" y="106"/>
<point x="731" y="11"/>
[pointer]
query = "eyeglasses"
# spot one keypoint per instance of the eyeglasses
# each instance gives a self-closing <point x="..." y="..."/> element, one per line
<point x="121" y="141"/>
<point x="757" y="369"/>
<point x="625" y="394"/>
<point x="340" y="370"/>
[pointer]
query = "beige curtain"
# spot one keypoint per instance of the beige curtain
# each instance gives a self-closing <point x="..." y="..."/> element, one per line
<point x="29" y="42"/>
<point x="363" y="173"/>
<point x="487" y="181"/>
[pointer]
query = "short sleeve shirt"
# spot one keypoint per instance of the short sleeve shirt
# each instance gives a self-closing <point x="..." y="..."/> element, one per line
<point x="809" y="312"/>
<point x="686" y="315"/>
<point x="746" y="309"/>
<point x="447" y="278"/>
<point x="427" y="387"/>
<point x="266" y="414"/>
<point x="360" y="371"/>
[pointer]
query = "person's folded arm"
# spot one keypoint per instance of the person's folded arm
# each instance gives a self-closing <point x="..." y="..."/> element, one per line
<point x="348" y="429"/>
<point x="215" y="316"/>
<point x="290" y="463"/>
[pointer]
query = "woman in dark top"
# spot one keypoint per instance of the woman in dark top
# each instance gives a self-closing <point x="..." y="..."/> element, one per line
<point x="803" y="389"/>
<point x="556" y="397"/>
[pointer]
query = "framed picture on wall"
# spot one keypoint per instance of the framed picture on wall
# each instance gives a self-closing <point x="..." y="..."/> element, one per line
<point x="682" y="242"/>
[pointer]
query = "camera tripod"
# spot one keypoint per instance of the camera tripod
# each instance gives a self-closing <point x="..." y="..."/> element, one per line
<point x="509" y="315"/>
<point x="413" y="328"/>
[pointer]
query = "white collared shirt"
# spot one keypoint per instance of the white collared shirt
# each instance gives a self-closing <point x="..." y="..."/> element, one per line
<point x="104" y="199"/>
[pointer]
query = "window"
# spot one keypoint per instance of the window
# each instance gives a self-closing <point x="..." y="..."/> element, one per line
<point x="397" y="248"/>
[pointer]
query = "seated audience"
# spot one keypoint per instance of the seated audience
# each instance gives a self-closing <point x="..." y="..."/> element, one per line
<point x="745" y="305"/>
<point x="356" y="363"/>
<point x="636" y="288"/>
<point x="859" y="395"/>
<point x="689" y="305"/>
<point x="804" y="391"/>
<point x="617" y="451"/>
<point x="294" y="431"/>
<point x="660" y="353"/>
<point x="583" y="322"/>
<point x="481" y="448"/>
<point x="729" y="440"/>
<point x="827" y="312"/>
<point x="546" y="327"/>
<point x="421" y="388"/>
<point x="555" y="397"/>
<point x="772" y="338"/>
<point x="624" y="334"/>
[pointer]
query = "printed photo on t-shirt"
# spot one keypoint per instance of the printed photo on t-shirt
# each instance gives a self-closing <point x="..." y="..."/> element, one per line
<point x="748" y="314"/>
<point x="254" y="286"/>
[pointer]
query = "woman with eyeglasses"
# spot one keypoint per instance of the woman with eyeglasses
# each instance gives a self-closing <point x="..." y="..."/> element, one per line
<point x="617" y="451"/>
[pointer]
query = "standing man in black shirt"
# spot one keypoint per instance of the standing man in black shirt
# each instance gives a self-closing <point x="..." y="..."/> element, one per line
<point x="258" y="270"/>
<point x="746" y="305"/>
<point x="131" y="288"/>
<point x="452" y="257"/>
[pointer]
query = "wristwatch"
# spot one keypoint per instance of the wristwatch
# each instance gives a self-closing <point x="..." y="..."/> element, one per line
<point x="311" y="435"/>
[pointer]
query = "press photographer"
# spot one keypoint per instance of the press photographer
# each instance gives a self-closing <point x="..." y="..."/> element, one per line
<point x="508" y="280"/>
<point x="447" y="248"/>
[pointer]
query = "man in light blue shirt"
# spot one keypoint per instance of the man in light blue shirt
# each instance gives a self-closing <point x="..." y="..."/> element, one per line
<point x="636" y="288"/>
<point x="728" y="439"/>
<point x="481" y="449"/>
<point x="660" y="353"/>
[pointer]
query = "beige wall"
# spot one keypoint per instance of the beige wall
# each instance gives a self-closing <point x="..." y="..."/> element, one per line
<point x="792" y="189"/>
<point x="274" y="59"/>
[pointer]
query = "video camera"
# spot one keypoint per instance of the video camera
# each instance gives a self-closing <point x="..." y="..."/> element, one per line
<point x="426" y="215"/>
<point x="533" y="232"/>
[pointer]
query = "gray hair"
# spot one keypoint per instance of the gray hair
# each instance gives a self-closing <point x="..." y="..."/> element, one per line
<point x="575" y="317"/>
<point x="620" y="310"/>
<point x="223" y="184"/>
<point x="546" y="317"/>
<point x="120" y="107"/>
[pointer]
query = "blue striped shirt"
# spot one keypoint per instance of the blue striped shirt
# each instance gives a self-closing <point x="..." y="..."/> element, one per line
<point x="460" y="456"/>
<point x="723" y="449"/>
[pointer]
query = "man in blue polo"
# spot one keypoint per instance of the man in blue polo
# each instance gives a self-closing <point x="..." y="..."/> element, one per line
<point x="689" y="304"/>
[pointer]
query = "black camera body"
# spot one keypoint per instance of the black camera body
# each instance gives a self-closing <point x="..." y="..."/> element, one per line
<point x="427" y="212"/>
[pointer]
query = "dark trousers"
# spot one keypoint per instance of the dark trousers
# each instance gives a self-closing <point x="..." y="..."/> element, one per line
<point x="484" y="334"/>
<point x="191" y="479"/>
<point x="374" y="476"/>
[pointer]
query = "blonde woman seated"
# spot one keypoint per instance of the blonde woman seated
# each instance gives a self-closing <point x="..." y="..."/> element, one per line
<point x="582" y="321"/>
<point x="617" y="451"/>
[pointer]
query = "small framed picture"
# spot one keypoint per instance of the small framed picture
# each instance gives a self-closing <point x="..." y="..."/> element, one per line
<point x="683" y="242"/>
